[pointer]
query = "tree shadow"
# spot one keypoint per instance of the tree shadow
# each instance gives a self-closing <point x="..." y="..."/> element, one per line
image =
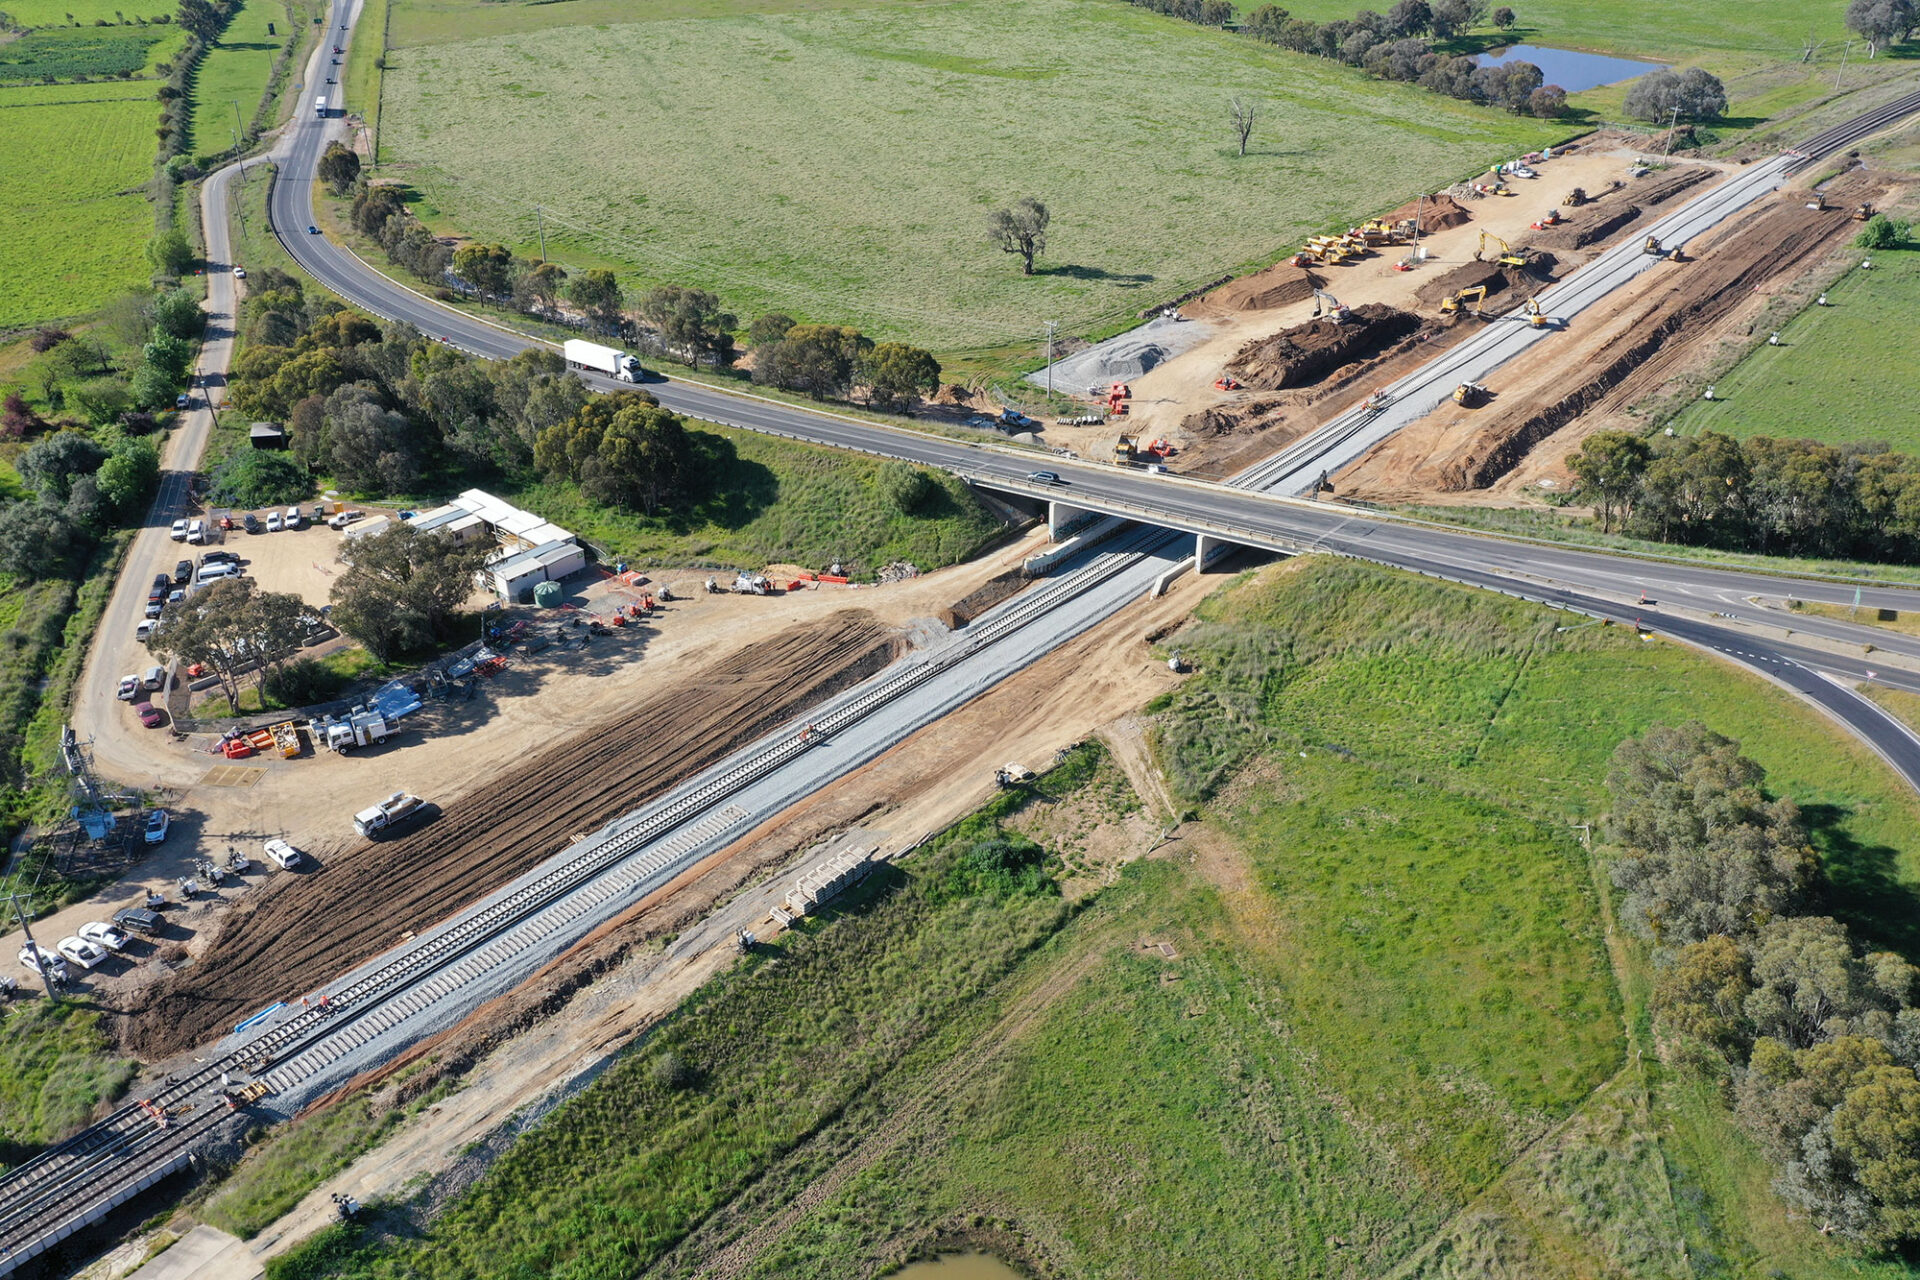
<point x="1865" y="890"/>
<point x="727" y="490"/>
<point x="1073" y="272"/>
<point x="247" y="44"/>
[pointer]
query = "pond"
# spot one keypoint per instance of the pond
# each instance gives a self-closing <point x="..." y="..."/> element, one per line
<point x="958" y="1266"/>
<point x="1570" y="70"/>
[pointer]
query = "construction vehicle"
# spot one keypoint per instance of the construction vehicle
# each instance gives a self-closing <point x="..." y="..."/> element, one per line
<point x="1126" y="449"/>
<point x="1576" y="197"/>
<point x="1453" y="302"/>
<point x="1117" y="396"/>
<point x="360" y="727"/>
<point x="1468" y="394"/>
<point x="1507" y="257"/>
<point x="388" y="814"/>
<point x="1864" y="212"/>
<point x="1535" y="316"/>
<point x="1654" y="248"/>
<point x="1551" y="218"/>
<point x="1336" y="310"/>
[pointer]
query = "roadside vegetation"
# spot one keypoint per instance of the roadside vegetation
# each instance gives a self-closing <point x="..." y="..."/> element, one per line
<point x="1375" y="1001"/>
<point x="55" y="1068"/>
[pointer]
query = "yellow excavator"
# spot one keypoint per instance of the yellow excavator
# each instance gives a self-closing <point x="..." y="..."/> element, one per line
<point x="1335" y="309"/>
<point x="1535" y="316"/>
<point x="1453" y="302"/>
<point x="1507" y="257"/>
<point x="1654" y="249"/>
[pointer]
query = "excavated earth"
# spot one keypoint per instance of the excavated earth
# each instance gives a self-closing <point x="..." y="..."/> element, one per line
<point x="1507" y="287"/>
<point x="1309" y="352"/>
<point x="1280" y="285"/>
<point x="308" y="929"/>
<point x="1436" y="213"/>
<point x="1610" y="213"/>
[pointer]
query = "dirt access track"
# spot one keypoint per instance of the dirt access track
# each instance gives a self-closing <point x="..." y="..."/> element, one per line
<point x="305" y="929"/>
<point x="1637" y="342"/>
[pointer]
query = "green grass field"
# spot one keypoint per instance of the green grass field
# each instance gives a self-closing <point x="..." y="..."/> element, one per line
<point x="48" y="13"/>
<point x="72" y="195"/>
<point x="841" y="164"/>
<point x="1392" y="1038"/>
<point x="236" y="70"/>
<point x="1841" y="373"/>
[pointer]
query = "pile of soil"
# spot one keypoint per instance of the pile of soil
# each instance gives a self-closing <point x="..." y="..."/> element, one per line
<point x="1280" y="285"/>
<point x="1605" y="218"/>
<point x="1306" y="353"/>
<point x="1779" y="239"/>
<point x="307" y="929"/>
<point x="1237" y="419"/>
<point x="1509" y="284"/>
<point x="1436" y="213"/>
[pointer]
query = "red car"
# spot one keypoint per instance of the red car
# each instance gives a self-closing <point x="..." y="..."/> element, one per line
<point x="150" y="715"/>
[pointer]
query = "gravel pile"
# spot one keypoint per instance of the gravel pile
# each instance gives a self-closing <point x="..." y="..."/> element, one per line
<point x="1124" y="358"/>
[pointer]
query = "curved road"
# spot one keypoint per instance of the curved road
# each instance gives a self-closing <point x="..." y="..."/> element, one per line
<point x="1601" y="584"/>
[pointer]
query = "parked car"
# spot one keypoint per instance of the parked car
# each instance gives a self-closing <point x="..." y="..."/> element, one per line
<point x="273" y="522"/>
<point x="150" y="715"/>
<point x="137" y="920"/>
<point x="162" y="583"/>
<point x="179" y="533"/>
<point x="81" y="952"/>
<point x="196" y="532"/>
<point x="153" y="608"/>
<point x="143" y="630"/>
<point x="346" y="518"/>
<point x="220" y="557"/>
<point x="129" y="688"/>
<point x="250" y="522"/>
<point x="104" y="935"/>
<point x="156" y="826"/>
<point x="183" y="573"/>
<point x="239" y="273"/>
<point x="284" y="855"/>
<point x="217" y="570"/>
<point x="176" y="595"/>
<point x="183" y="401"/>
<point x="41" y="960"/>
<point x="294" y="518"/>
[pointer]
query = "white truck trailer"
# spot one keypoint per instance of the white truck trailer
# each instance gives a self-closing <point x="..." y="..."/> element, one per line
<point x="389" y="813"/>
<point x="320" y="107"/>
<point x="595" y="358"/>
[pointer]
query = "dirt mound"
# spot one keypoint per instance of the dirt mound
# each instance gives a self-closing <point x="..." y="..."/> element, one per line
<point x="307" y="929"/>
<point x="1309" y="352"/>
<point x="1279" y="285"/>
<point x="1436" y="213"/>
<point x="1126" y="357"/>
<point x="1237" y="419"/>
<point x="1509" y="284"/>
<point x="1607" y="217"/>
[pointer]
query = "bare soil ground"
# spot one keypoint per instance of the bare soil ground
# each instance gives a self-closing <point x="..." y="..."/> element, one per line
<point x="363" y="898"/>
<point x="1306" y="353"/>
<point x="1638" y="341"/>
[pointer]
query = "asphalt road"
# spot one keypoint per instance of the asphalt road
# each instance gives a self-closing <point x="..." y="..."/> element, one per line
<point x="1596" y="582"/>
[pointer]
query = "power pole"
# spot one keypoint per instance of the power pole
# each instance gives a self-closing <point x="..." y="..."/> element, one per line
<point x="239" y="130"/>
<point x="1843" y="66"/>
<point x="1052" y="327"/>
<point x="14" y="898"/>
<point x="1672" y="125"/>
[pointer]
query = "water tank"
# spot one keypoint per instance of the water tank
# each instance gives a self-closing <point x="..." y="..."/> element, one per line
<point x="547" y="595"/>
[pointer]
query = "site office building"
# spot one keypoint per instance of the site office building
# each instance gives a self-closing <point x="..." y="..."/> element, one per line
<point x="532" y="550"/>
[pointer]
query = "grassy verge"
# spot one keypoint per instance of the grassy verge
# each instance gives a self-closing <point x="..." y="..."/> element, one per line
<point x="1903" y="705"/>
<point x="1889" y="619"/>
<point x="342" y="667"/>
<point x="55" y="1068"/>
<point x="366" y="68"/>
<point x="236" y="73"/>
<point x="1555" y="525"/>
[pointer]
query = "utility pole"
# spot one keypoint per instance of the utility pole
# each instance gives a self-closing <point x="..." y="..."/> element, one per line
<point x="1843" y="66"/>
<point x="239" y="130"/>
<point x="1052" y="327"/>
<point x="540" y="218"/>
<point x="1672" y="125"/>
<point x="14" y="898"/>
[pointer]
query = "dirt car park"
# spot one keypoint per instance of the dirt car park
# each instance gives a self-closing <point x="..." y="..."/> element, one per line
<point x="538" y="700"/>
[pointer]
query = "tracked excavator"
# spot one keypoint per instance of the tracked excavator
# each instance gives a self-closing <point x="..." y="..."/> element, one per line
<point x="1454" y="302"/>
<point x="1536" y="317"/>
<point x="1335" y="309"/>
<point x="1507" y="257"/>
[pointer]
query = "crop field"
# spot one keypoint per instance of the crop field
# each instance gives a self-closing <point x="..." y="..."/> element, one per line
<point x="1841" y="373"/>
<point x="841" y="164"/>
<point x="72" y="197"/>
<point x="51" y="13"/>
<point x="66" y="52"/>
<point x="236" y="70"/>
<point x="1363" y="1021"/>
<point x="49" y="95"/>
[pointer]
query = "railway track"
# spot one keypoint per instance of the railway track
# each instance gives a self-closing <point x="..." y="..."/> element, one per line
<point x="58" y="1192"/>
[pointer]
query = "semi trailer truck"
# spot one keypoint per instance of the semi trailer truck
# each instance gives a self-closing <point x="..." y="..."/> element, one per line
<point x="320" y="106"/>
<point x="595" y="358"/>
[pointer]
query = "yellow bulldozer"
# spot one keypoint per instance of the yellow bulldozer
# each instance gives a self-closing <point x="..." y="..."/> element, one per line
<point x="1469" y="394"/>
<point x="1507" y="257"/>
<point x="1576" y="197"/>
<point x="1454" y="302"/>
<point x="1126" y="450"/>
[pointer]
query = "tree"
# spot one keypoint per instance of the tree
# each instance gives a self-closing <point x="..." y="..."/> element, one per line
<point x="259" y="478"/>
<point x="1881" y="22"/>
<point x="168" y="354"/>
<point x="1548" y="102"/>
<point x="597" y="293"/>
<point x="103" y="400"/>
<point x="17" y="418"/>
<point x="540" y="285"/>
<point x="1807" y="983"/>
<point x="232" y="627"/>
<point x="38" y="541"/>
<point x="1609" y="467"/>
<point x="128" y="477"/>
<point x="1876" y="1131"/>
<point x="487" y="267"/>
<point x="150" y="388"/>
<point x="1703" y="994"/>
<point x="818" y="359"/>
<point x="171" y="253"/>
<point x="1409" y="18"/>
<point x="1702" y="851"/>
<point x="1266" y="23"/>
<point x="1243" y="111"/>
<point x="1504" y="18"/>
<point x="1882" y="232"/>
<point x="692" y="322"/>
<point x="177" y="314"/>
<point x="1449" y="18"/>
<point x="897" y="375"/>
<point x="52" y="465"/>
<point x="370" y="447"/>
<point x="1694" y="94"/>
<point x="769" y="328"/>
<point x="1021" y="229"/>
<point x="907" y="488"/>
<point x="622" y="448"/>
<point x="401" y="587"/>
<point x="339" y="168"/>
<point x="202" y="19"/>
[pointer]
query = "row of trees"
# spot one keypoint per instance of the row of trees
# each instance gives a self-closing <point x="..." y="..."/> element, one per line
<point x="826" y="361"/>
<point x="1821" y="1039"/>
<point x="1797" y="497"/>
<point x="83" y="485"/>
<point x="1882" y="23"/>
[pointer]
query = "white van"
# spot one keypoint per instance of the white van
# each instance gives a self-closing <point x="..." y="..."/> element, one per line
<point x="221" y="569"/>
<point x="197" y="532"/>
<point x="155" y="677"/>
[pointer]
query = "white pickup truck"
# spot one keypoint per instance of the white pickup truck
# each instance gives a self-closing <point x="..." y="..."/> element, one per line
<point x="386" y="815"/>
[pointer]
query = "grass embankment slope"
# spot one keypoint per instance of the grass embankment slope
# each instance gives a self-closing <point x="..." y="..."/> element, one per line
<point x="1841" y="373"/>
<point x="234" y="75"/>
<point x="1394" y="1036"/>
<point x="883" y="136"/>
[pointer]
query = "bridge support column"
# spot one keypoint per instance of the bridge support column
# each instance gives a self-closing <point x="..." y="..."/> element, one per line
<point x="1208" y="548"/>
<point x="1063" y="519"/>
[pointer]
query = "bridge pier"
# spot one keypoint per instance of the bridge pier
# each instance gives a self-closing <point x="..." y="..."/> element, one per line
<point x="1105" y="526"/>
<point x="1208" y="548"/>
<point x="1063" y="518"/>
